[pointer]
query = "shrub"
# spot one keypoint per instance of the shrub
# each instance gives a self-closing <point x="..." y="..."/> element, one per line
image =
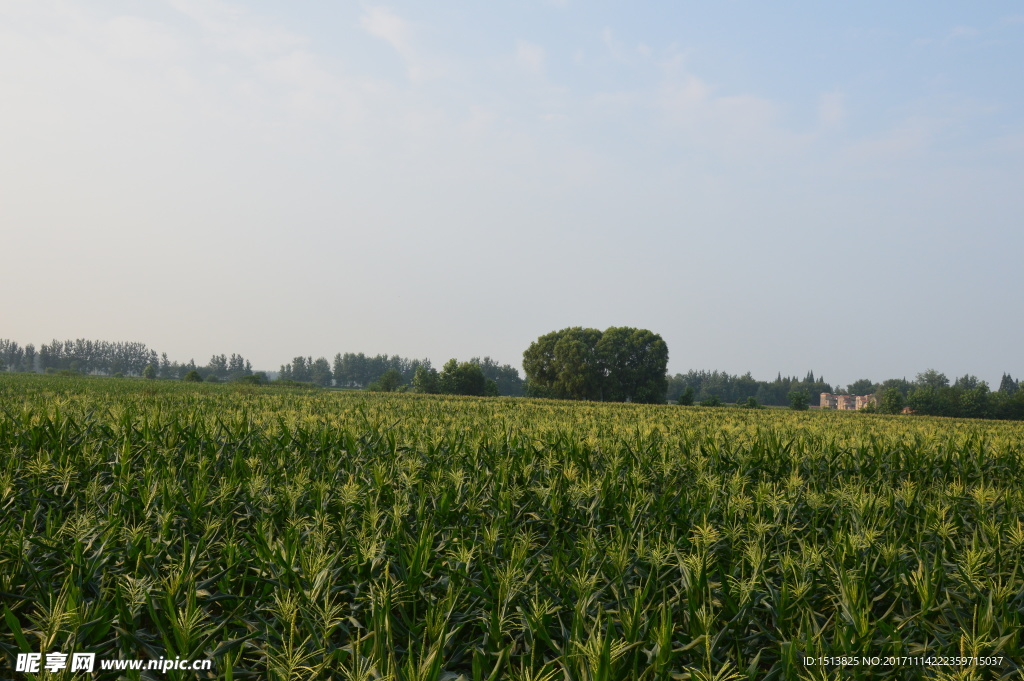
<point x="799" y="400"/>
<point x="892" y="401"/>
<point x="258" y="378"/>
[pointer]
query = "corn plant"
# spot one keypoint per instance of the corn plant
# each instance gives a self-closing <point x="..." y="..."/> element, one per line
<point x="295" y="534"/>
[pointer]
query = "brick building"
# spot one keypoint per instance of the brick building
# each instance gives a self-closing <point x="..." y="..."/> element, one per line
<point x="845" y="402"/>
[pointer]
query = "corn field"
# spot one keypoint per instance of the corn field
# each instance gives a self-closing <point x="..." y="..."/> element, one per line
<point x="292" y="534"/>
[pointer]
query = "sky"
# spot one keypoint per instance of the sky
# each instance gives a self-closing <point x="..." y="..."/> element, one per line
<point x="772" y="187"/>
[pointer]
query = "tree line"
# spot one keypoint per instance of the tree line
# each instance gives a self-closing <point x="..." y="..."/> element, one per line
<point x="712" y="386"/>
<point x="931" y="393"/>
<point x="618" y="364"/>
<point x="106" y="358"/>
<point x="478" y="376"/>
<point x="395" y="373"/>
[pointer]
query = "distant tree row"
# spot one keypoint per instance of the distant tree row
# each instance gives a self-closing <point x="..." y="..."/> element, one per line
<point x="307" y="370"/>
<point x="455" y="378"/>
<point x="708" y="386"/>
<point x="14" y="357"/>
<point x="932" y="394"/>
<point x="350" y="370"/>
<point x="619" y="364"/>
<point x="99" y="357"/>
<point x="80" y="356"/>
<point x="357" y="370"/>
<point x="390" y="373"/>
<point x="219" y="368"/>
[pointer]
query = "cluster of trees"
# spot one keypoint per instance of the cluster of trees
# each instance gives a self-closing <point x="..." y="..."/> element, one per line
<point x="80" y="356"/>
<point x="307" y="370"/>
<point x="14" y="357"/>
<point x="219" y="368"/>
<point x="932" y="394"/>
<point x="711" y="386"/>
<point x="455" y="378"/>
<point x="352" y="370"/>
<point x="390" y="373"/>
<point x="381" y="372"/>
<point x="505" y="376"/>
<point x="83" y="356"/>
<point x="620" y="364"/>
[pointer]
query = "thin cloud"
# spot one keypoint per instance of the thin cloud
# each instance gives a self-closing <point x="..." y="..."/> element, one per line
<point x="963" y="32"/>
<point x="382" y="23"/>
<point x="232" y="29"/>
<point x="735" y="125"/>
<point x="530" y="56"/>
<point x="615" y="48"/>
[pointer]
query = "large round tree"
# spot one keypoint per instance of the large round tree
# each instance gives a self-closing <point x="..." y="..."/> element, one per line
<point x="621" y="364"/>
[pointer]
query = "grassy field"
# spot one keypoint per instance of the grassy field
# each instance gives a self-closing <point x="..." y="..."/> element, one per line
<point x="313" y="534"/>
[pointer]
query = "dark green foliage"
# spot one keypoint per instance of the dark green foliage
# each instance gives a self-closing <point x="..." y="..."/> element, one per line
<point x="11" y="355"/>
<point x="149" y="372"/>
<point x="217" y="366"/>
<point x="466" y="378"/>
<point x="505" y="376"/>
<point x="712" y="401"/>
<point x="92" y="357"/>
<point x="535" y="390"/>
<point x="892" y="401"/>
<point x="357" y="370"/>
<point x="621" y="364"/>
<point x="564" y="364"/>
<point x="425" y="380"/>
<point x="258" y="378"/>
<point x="288" y="383"/>
<point x="752" y="403"/>
<point x="932" y="378"/>
<point x="736" y="389"/>
<point x="491" y="388"/>
<point x="389" y="382"/>
<point x="966" y="398"/>
<point x="320" y="372"/>
<point x="104" y="357"/>
<point x="221" y="366"/>
<point x="307" y="370"/>
<point x="192" y="377"/>
<point x="799" y="400"/>
<point x="686" y="397"/>
<point x="901" y="384"/>
<point x="923" y="400"/>
<point x="863" y="386"/>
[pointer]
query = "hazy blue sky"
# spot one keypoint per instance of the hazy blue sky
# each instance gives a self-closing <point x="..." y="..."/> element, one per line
<point x="771" y="186"/>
